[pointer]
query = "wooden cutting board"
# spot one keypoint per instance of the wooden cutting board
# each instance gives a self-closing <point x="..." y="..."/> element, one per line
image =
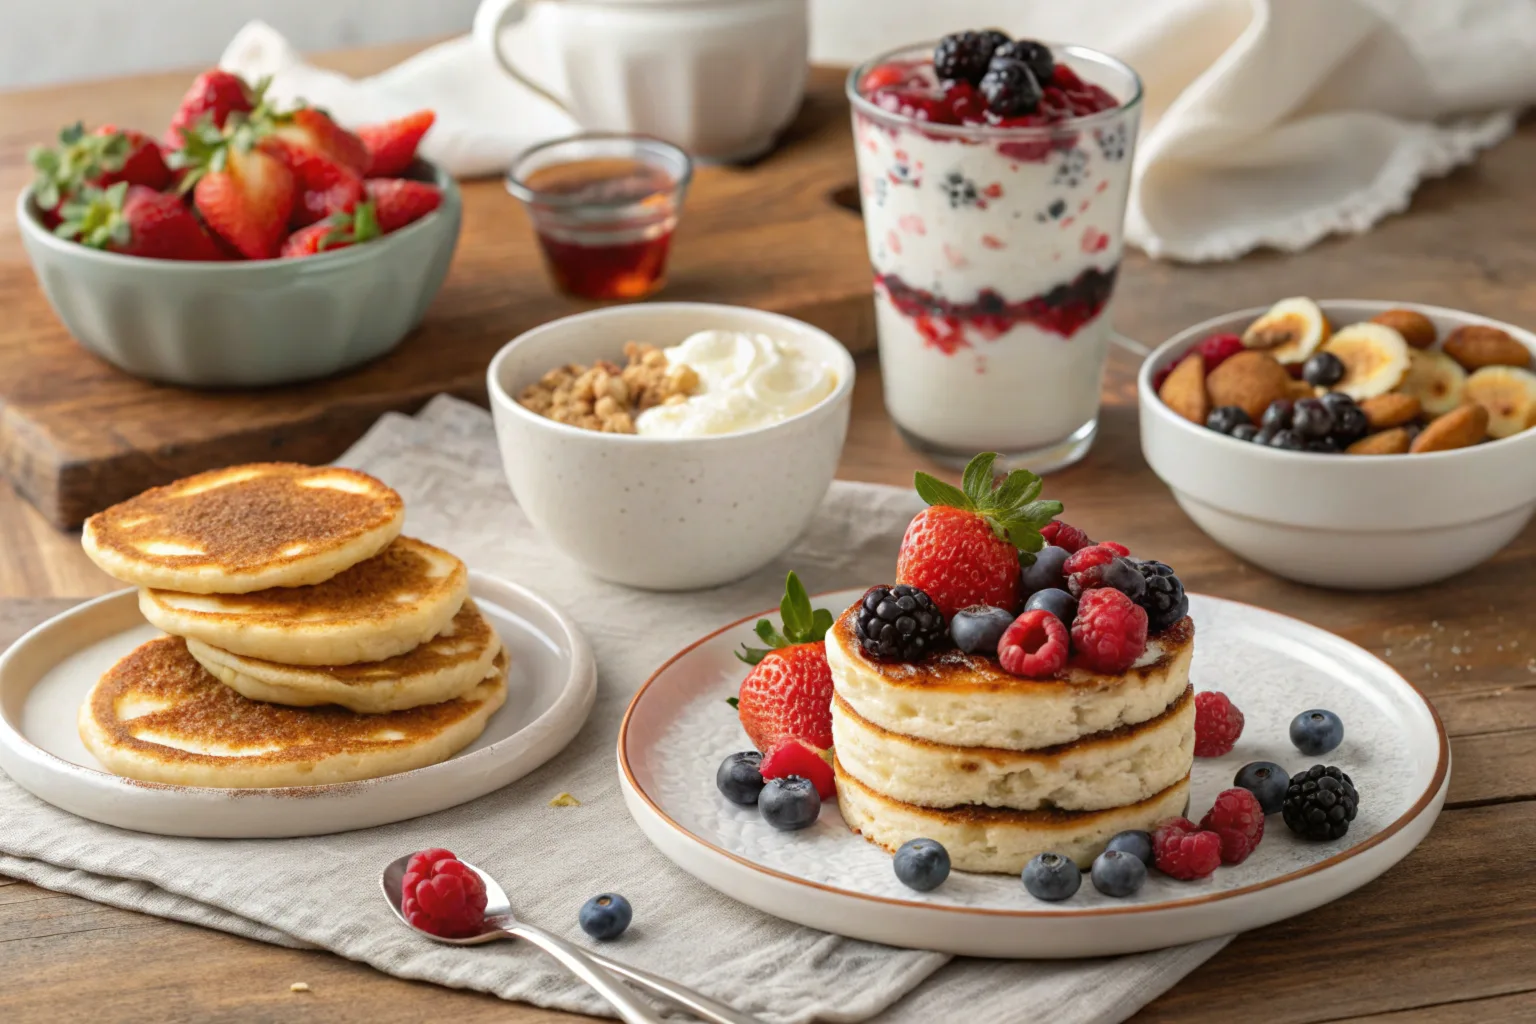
<point x="76" y="435"/>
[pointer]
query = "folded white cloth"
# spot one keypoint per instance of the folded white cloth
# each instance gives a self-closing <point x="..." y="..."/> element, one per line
<point x="1268" y="122"/>
<point x="323" y="891"/>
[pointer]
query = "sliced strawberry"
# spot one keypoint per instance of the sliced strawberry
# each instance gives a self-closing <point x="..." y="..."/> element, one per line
<point x="325" y="186"/>
<point x="244" y="193"/>
<point x="214" y="95"/>
<point x="788" y="693"/>
<point x="137" y="221"/>
<point x="392" y="145"/>
<point x="99" y="158"/>
<point x="316" y="204"/>
<point x="313" y="133"/>
<point x="337" y="231"/>
<point x="401" y="201"/>
<point x="793" y="757"/>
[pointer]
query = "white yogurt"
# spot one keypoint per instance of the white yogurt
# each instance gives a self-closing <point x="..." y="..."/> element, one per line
<point x="746" y="381"/>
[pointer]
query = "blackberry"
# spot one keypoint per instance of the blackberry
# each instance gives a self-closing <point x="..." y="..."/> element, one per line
<point x="1163" y="599"/>
<point x="899" y="622"/>
<point x="1320" y="803"/>
<point x="1226" y="418"/>
<point x="1035" y="56"/>
<point x="964" y="56"/>
<point x="1010" y="89"/>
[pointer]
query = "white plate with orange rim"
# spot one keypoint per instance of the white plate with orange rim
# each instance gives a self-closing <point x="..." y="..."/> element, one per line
<point x="679" y="727"/>
<point x="44" y="677"/>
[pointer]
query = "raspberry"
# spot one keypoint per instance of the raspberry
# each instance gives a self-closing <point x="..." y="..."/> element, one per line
<point x="1065" y="535"/>
<point x="1218" y="724"/>
<point x="1238" y="820"/>
<point x="1035" y="646"/>
<point x="795" y="758"/>
<point x="1218" y="348"/>
<point x="1183" y="853"/>
<point x="1087" y="558"/>
<point x="442" y="895"/>
<point x="1110" y="631"/>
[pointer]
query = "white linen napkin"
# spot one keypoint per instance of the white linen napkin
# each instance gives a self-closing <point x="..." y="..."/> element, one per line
<point x="323" y="891"/>
<point x="1268" y="122"/>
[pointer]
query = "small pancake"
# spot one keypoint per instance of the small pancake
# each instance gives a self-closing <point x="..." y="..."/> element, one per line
<point x="158" y="716"/>
<point x="375" y="610"/>
<point x="447" y="666"/>
<point x="245" y="528"/>
<point x="994" y="840"/>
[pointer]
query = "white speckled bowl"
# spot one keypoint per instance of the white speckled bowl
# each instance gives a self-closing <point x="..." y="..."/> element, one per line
<point x="665" y="513"/>
<point x="1352" y="522"/>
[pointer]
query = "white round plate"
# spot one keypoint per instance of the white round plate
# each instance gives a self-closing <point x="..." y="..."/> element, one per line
<point x="44" y="677"/>
<point x="679" y="727"/>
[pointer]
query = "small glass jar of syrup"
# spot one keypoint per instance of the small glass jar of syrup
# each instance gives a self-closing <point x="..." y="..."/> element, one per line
<point x="604" y="207"/>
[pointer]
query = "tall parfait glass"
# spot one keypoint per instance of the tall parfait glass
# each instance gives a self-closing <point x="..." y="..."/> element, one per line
<point x="995" y="246"/>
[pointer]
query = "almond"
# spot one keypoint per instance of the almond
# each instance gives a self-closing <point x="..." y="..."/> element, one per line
<point x="1463" y="426"/>
<point x="1184" y="390"/>
<point x="1301" y="389"/>
<point x="1390" y="410"/>
<point x="1416" y="328"/>
<point x="1477" y="345"/>
<point x="1387" y="442"/>
<point x="1249" y="380"/>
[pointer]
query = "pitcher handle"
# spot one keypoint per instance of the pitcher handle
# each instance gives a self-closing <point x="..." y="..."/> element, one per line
<point x="490" y="18"/>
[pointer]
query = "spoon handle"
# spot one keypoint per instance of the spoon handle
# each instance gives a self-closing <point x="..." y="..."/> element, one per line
<point x="619" y="996"/>
<point x="696" y="1003"/>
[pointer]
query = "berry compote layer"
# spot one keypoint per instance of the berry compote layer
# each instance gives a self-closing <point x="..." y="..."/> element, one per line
<point x="993" y="175"/>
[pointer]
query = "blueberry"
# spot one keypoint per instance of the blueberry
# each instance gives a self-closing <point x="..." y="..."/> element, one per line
<point x="1349" y="423"/>
<point x="977" y="629"/>
<point x="1121" y="574"/>
<point x="1323" y="370"/>
<point x="1324" y="446"/>
<point x="740" y="777"/>
<point x="1134" y="842"/>
<point x="789" y="803"/>
<point x="1265" y="435"/>
<point x="1278" y="415"/>
<point x="1287" y="439"/>
<point x="1226" y="418"/>
<point x="1050" y="876"/>
<point x="1117" y="873"/>
<point x="1336" y="400"/>
<point x="1311" y="419"/>
<point x="1317" y="731"/>
<point x="1244" y="432"/>
<point x="605" y="916"/>
<point x="1037" y="56"/>
<point x="1058" y="602"/>
<point x="922" y="864"/>
<point x="1265" y="780"/>
<point x="1046" y="572"/>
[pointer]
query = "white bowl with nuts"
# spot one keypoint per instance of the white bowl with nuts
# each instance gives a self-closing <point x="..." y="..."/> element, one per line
<point x="671" y="445"/>
<point x="1436" y="476"/>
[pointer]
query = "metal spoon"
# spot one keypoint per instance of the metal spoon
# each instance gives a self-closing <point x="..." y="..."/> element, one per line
<point x="593" y="968"/>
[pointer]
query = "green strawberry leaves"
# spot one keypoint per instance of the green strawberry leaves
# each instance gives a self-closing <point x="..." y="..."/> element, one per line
<point x="1012" y="508"/>
<point x="802" y="624"/>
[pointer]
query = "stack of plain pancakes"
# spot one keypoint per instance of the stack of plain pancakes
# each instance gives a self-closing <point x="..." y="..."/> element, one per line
<point x="309" y="642"/>
<point x="1000" y="768"/>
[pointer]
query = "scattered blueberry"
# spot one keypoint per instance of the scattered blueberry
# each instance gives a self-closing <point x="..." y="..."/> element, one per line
<point x="922" y="864"/>
<point x="1224" y="419"/>
<point x="1323" y="370"/>
<point x="1265" y="780"/>
<point x="1317" y="731"/>
<point x="1046" y="572"/>
<point x="1050" y="876"/>
<point x="1278" y="415"/>
<point x="1117" y="873"/>
<point x="977" y="629"/>
<point x="1349" y="422"/>
<point x="740" y="777"/>
<point x="1288" y="440"/>
<point x="1134" y="842"/>
<point x="1058" y="602"/>
<point x="1311" y="419"/>
<point x="605" y="916"/>
<point x="1244" y="432"/>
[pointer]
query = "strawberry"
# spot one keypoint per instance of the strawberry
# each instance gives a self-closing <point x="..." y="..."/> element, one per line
<point x="341" y="195"/>
<point x="313" y="134"/>
<point x="967" y="546"/>
<point x="137" y="221"/>
<point x="337" y="231"/>
<point x="788" y="693"/>
<point x="213" y="96"/>
<point x="245" y="193"/>
<point x="793" y="757"/>
<point x="99" y="158"/>
<point x="401" y="201"/>
<point x="392" y="145"/>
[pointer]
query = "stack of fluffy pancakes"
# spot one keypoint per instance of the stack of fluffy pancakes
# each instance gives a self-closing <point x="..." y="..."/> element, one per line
<point x="308" y="642"/>
<point x="999" y="768"/>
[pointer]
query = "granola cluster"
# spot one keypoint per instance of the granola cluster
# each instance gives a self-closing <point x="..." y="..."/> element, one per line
<point x="607" y="397"/>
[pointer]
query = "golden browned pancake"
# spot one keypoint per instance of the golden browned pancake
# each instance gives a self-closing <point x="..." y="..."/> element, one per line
<point x="375" y="610"/>
<point x="158" y="716"/>
<point x="445" y="667"/>
<point x="245" y="528"/>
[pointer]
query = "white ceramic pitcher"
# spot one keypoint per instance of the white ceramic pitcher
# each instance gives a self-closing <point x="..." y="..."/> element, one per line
<point x="720" y="78"/>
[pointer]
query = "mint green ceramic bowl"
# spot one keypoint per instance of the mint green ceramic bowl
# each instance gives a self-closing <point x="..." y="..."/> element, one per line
<point x="247" y="323"/>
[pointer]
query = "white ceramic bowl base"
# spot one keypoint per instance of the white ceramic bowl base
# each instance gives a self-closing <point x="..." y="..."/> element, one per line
<point x="679" y="728"/>
<point x="45" y="676"/>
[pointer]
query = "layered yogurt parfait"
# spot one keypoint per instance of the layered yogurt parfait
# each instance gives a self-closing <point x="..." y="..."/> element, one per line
<point x="993" y="175"/>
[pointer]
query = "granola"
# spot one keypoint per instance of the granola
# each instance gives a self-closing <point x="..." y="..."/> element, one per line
<point x="607" y="397"/>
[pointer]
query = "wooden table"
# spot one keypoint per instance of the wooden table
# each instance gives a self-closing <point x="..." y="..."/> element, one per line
<point x="1449" y="935"/>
